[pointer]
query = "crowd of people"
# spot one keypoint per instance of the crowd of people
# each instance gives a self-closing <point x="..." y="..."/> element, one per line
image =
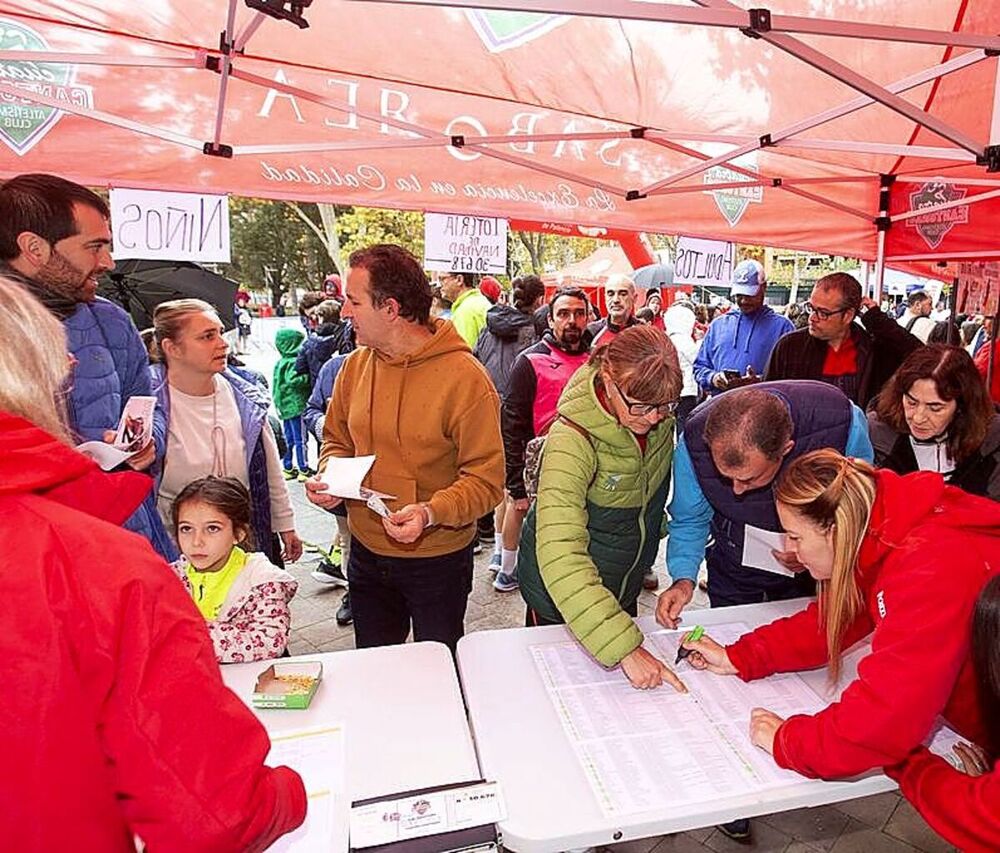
<point x="575" y="443"/>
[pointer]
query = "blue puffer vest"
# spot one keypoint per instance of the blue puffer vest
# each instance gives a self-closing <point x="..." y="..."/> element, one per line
<point x="821" y="417"/>
<point x="252" y="404"/>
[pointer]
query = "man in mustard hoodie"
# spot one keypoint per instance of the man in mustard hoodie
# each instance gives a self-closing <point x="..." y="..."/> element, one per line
<point x="413" y="395"/>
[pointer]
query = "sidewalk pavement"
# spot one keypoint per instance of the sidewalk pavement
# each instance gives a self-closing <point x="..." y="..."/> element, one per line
<point x="884" y="823"/>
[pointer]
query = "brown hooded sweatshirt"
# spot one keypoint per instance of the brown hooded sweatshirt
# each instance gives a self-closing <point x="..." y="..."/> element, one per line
<point x="432" y="419"/>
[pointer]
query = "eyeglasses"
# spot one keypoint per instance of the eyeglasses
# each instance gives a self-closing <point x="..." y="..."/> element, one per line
<point x="640" y="410"/>
<point x="825" y="313"/>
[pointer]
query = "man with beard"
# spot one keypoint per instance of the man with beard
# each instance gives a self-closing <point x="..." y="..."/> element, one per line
<point x="536" y="380"/>
<point x="55" y="239"/>
<point x="619" y="296"/>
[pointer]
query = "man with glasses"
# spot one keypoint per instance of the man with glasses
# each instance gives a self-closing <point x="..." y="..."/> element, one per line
<point x="857" y="358"/>
<point x="733" y="449"/>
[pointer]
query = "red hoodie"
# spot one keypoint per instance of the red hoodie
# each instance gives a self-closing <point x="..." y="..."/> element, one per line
<point x="964" y="810"/>
<point x="114" y="719"/>
<point x="928" y="552"/>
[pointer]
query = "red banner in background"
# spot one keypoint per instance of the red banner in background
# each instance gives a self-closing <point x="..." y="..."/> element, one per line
<point x="978" y="288"/>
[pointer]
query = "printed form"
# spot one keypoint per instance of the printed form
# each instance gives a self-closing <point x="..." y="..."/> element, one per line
<point x="644" y="750"/>
<point x="318" y="755"/>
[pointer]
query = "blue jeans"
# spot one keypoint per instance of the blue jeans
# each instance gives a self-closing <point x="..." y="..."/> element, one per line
<point x="293" y="438"/>
<point x="388" y="593"/>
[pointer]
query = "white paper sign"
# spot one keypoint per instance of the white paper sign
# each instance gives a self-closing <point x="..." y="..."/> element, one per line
<point x="457" y="243"/>
<point x="757" y="547"/>
<point x="388" y="821"/>
<point x="703" y="262"/>
<point x="344" y="476"/>
<point x="154" y="225"/>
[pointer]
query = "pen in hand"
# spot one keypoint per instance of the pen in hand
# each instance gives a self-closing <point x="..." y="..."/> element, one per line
<point x="693" y="637"/>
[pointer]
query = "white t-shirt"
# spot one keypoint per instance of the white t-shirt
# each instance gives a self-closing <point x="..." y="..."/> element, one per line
<point x="206" y="439"/>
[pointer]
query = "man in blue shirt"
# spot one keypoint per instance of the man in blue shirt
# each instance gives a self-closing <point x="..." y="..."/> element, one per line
<point x="739" y="343"/>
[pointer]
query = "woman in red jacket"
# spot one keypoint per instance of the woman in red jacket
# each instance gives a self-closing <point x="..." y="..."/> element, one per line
<point x="902" y="558"/>
<point x="965" y="807"/>
<point x="115" y="722"/>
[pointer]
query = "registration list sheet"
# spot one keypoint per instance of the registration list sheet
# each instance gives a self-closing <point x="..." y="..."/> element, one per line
<point x="645" y="750"/>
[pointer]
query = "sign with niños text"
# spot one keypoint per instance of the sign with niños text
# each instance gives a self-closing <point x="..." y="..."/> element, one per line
<point x="154" y="225"/>
<point x="703" y="262"/>
<point x="457" y="243"/>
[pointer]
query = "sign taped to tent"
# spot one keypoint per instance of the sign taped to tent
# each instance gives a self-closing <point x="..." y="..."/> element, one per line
<point x="474" y="244"/>
<point x="978" y="288"/>
<point x="154" y="225"/>
<point x="703" y="262"/>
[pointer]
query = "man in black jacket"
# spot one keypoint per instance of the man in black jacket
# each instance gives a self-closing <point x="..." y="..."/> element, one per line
<point x="857" y="358"/>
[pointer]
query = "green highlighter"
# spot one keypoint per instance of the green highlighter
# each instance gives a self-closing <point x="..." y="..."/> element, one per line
<point x="694" y="636"/>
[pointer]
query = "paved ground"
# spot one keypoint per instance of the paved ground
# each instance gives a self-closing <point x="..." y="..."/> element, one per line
<point x="880" y="824"/>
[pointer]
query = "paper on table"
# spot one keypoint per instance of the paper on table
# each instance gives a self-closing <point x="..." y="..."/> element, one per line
<point x="757" y="547"/>
<point x="650" y="750"/>
<point x="318" y="755"/>
<point x="942" y="741"/>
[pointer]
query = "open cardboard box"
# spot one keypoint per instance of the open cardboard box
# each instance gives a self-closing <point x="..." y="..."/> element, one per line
<point x="287" y="685"/>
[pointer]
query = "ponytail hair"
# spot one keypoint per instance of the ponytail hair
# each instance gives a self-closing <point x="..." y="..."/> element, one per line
<point x="526" y="292"/>
<point x="832" y="491"/>
<point x="169" y="319"/>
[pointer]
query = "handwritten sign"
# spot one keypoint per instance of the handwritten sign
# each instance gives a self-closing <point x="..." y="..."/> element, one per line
<point x="154" y="225"/>
<point x="703" y="262"/>
<point x="456" y="243"/>
<point x="978" y="288"/>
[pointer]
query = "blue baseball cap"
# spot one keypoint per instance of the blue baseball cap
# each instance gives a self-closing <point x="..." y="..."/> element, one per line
<point x="748" y="278"/>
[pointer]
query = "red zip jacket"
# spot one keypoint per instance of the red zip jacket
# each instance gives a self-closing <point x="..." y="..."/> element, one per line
<point x="964" y="810"/>
<point x="928" y="552"/>
<point x="114" y="719"/>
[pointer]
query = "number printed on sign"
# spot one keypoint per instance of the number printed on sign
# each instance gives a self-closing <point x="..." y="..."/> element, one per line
<point x="467" y="263"/>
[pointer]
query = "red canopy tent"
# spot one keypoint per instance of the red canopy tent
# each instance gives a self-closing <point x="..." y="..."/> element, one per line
<point x="876" y="139"/>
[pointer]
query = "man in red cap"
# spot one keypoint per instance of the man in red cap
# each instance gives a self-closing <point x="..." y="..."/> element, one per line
<point x="490" y="288"/>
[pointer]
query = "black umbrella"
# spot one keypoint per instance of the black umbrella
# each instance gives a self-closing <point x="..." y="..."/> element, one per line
<point x="654" y="275"/>
<point x="139" y="286"/>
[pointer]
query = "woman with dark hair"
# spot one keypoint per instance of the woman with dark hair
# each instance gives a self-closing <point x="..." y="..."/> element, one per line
<point x="934" y="414"/>
<point x="963" y="806"/>
<point x="595" y="528"/>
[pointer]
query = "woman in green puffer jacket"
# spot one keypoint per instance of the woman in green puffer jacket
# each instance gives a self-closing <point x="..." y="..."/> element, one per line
<point x="595" y="527"/>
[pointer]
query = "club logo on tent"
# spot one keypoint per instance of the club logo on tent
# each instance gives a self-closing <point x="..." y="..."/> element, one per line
<point x="23" y="123"/>
<point x="501" y="31"/>
<point x="732" y="203"/>
<point x="933" y="226"/>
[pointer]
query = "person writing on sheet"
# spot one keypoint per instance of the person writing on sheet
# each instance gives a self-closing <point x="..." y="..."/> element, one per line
<point x="243" y="596"/>
<point x="934" y="414"/>
<point x="899" y="558"/>
<point x="596" y="525"/>
<point x="964" y="807"/>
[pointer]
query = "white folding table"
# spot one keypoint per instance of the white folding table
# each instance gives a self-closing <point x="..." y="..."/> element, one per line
<point x="522" y="745"/>
<point x="403" y="713"/>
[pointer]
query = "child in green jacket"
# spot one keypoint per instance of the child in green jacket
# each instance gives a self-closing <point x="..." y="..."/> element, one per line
<point x="291" y="393"/>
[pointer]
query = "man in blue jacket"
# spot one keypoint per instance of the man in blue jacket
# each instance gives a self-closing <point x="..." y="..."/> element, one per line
<point x="55" y="240"/>
<point x="739" y="343"/>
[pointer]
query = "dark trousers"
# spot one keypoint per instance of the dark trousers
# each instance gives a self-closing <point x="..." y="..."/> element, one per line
<point x="684" y="408"/>
<point x="388" y="593"/>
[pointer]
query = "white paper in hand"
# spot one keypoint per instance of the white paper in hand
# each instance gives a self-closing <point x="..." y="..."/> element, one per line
<point x="757" y="547"/>
<point x="345" y="475"/>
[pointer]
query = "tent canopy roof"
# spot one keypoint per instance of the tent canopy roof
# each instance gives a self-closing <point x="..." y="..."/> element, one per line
<point x="695" y="117"/>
